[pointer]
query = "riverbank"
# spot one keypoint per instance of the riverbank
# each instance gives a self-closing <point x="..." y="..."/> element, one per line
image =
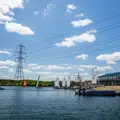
<point x="116" y="88"/>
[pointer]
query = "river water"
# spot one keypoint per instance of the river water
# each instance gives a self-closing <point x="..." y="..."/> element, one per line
<point x="17" y="103"/>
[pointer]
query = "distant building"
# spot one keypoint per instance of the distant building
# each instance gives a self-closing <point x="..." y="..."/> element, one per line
<point x="109" y="79"/>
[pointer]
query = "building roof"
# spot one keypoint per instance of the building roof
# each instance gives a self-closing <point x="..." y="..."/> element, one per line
<point x="111" y="74"/>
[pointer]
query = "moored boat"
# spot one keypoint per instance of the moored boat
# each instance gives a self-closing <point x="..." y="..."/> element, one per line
<point x="2" y="88"/>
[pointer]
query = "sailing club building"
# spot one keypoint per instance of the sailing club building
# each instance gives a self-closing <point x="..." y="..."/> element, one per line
<point x="109" y="79"/>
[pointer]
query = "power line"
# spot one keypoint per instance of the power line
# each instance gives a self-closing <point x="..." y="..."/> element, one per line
<point x="59" y="53"/>
<point x="107" y="28"/>
<point x="93" y="51"/>
<point x="97" y="22"/>
<point x="84" y="47"/>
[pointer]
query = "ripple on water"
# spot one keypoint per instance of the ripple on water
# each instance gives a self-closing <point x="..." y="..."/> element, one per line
<point x="48" y="104"/>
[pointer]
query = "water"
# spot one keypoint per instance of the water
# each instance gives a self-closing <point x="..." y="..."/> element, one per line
<point x="18" y="103"/>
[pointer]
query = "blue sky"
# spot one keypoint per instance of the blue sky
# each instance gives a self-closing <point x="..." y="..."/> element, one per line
<point x="61" y="37"/>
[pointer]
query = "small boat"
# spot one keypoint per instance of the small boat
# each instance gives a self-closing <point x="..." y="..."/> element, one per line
<point x="24" y="83"/>
<point x="118" y="93"/>
<point x="37" y="85"/>
<point x="2" y="88"/>
<point x="57" y="84"/>
<point x="85" y="92"/>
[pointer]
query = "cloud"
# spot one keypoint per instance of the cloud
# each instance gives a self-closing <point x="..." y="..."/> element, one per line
<point x="109" y="58"/>
<point x="11" y="70"/>
<point x="27" y="71"/>
<point x="80" y="15"/>
<point x="80" y="69"/>
<point x="85" y="37"/>
<point x="70" y="8"/>
<point x="56" y="67"/>
<point x="7" y="63"/>
<point x="6" y="7"/>
<point x="84" y="74"/>
<point x="37" y="67"/>
<point x="32" y="64"/>
<point x="99" y="68"/>
<point x="6" y="17"/>
<point x="82" y="56"/>
<point x="18" y="28"/>
<point x="35" y="12"/>
<point x="3" y="67"/>
<point x="49" y="67"/>
<point x="4" y="52"/>
<point x="81" y="23"/>
<point x="47" y="9"/>
<point x="45" y="73"/>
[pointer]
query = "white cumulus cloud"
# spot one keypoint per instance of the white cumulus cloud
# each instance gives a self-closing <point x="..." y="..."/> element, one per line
<point x="80" y="15"/>
<point x="49" y="67"/>
<point x="4" y="52"/>
<point x="6" y="17"/>
<point x="82" y="56"/>
<point x="109" y="58"/>
<point x="18" y="28"/>
<point x="32" y="64"/>
<point x="85" y="37"/>
<point x="6" y="7"/>
<point x="7" y="63"/>
<point x="70" y="8"/>
<point x="27" y="71"/>
<point x="99" y="68"/>
<point x="81" y="23"/>
<point x="80" y="69"/>
<point x="56" y="67"/>
<point x="3" y="67"/>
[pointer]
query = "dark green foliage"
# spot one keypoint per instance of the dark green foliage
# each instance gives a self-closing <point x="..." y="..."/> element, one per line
<point x="33" y="83"/>
<point x="29" y="83"/>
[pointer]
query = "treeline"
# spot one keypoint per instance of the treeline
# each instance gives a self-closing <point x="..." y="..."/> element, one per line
<point x="33" y="83"/>
<point x="29" y="83"/>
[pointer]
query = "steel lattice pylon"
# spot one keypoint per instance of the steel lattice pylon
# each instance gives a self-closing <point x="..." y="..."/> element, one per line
<point x="19" y="59"/>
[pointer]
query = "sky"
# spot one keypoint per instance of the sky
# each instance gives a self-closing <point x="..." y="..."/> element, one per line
<point x="61" y="38"/>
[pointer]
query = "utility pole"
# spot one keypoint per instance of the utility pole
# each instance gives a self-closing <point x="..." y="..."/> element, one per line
<point x="19" y="59"/>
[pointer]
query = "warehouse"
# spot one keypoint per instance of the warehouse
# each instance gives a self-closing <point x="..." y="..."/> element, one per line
<point x="109" y="79"/>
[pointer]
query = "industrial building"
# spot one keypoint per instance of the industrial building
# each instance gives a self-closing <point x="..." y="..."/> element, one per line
<point x="109" y="79"/>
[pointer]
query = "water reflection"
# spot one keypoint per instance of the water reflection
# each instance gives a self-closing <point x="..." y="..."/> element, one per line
<point x="17" y="103"/>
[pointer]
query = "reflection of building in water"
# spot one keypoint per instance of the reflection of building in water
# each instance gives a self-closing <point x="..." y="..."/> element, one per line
<point x="109" y="79"/>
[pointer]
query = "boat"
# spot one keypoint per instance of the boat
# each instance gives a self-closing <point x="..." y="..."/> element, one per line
<point x="64" y="83"/>
<point x="100" y="93"/>
<point x="95" y="92"/>
<point x="118" y="93"/>
<point x="2" y="88"/>
<point x="37" y="85"/>
<point x="24" y="83"/>
<point x="68" y="83"/>
<point x="57" y="84"/>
